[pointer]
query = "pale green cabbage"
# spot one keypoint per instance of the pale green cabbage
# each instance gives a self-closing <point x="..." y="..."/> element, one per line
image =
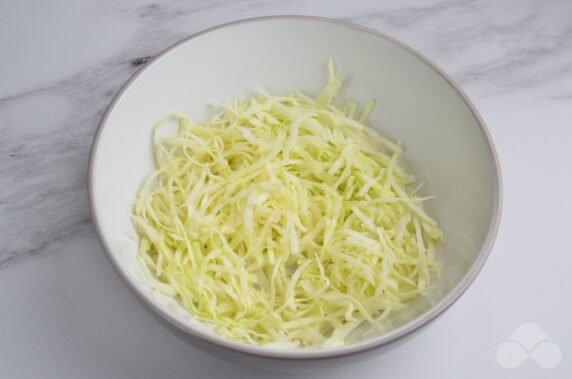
<point x="285" y="220"/>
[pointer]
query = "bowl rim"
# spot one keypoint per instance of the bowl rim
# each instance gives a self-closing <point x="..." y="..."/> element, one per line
<point x="307" y="354"/>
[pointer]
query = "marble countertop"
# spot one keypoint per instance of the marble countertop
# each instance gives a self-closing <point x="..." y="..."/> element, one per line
<point x="64" y="313"/>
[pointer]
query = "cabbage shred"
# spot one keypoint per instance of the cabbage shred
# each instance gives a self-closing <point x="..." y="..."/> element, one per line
<point x="285" y="220"/>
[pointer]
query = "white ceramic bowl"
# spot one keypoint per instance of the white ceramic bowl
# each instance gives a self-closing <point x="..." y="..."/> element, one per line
<point x="448" y="146"/>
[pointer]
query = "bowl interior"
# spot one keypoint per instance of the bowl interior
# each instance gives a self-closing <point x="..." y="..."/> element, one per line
<point x="447" y="148"/>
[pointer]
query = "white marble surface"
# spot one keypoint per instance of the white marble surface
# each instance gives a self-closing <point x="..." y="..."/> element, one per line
<point x="64" y="313"/>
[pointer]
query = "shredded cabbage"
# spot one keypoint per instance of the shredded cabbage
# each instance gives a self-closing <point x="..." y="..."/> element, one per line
<point x="285" y="220"/>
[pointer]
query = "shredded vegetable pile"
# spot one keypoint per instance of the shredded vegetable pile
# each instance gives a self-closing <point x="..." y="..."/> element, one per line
<point x="285" y="221"/>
